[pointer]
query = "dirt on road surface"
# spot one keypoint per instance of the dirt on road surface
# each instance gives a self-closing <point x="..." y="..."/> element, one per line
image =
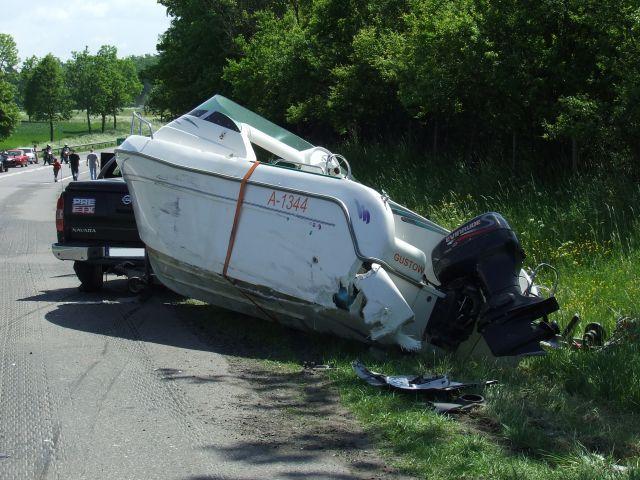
<point x="111" y="385"/>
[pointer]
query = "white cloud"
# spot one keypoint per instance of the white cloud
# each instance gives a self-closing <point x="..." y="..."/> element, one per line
<point x="60" y="27"/>
<point x="51" y="14"/>
<point x="98" y="9"/>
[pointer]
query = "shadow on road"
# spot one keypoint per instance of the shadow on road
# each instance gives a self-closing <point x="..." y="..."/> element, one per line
<point x="302" y="394"/>
<point x="116" y="312"/>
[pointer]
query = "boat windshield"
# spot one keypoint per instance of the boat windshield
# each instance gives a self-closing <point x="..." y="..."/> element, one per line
<point x="241" y="115"/>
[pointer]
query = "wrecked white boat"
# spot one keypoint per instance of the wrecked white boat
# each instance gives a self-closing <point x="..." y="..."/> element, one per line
<point x="294" y="238"/>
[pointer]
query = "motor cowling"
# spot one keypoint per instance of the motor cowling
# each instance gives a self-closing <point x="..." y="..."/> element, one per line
<point x="485" y="256"/>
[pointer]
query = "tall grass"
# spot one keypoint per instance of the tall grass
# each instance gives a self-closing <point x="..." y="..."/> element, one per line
<point x="571" y="414"/>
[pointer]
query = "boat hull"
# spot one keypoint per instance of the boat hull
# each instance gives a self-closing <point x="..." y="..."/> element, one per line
<point x="285" y="264"/>
<point x="263" y="303"/>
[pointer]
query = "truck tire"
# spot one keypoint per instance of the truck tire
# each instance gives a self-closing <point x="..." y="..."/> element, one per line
<point x="90" y="276"/>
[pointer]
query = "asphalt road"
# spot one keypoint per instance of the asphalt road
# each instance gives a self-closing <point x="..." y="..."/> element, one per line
<point x="109" y="386"/>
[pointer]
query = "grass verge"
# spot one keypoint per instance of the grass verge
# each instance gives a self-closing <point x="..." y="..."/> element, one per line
<point x="73" y="131"/>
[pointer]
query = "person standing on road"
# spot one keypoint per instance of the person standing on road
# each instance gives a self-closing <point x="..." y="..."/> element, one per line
<point x="56" y="168"/>
<point x="47" y="155"/>
<point x="65" y="153"/>
<point x="92" y="161"/>
<point x="74" y="163"/>
<point x="35" y="153"/>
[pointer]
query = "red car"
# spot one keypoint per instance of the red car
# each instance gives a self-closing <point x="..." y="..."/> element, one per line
<point x="17" y="157"/>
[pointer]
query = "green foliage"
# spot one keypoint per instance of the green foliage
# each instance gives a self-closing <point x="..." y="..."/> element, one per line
<point x="9" y="112"/>
<point x="83" y="81"/>
<point x="143" y="64"/>
<point x="268" y="73"/>
<point x="47" y="97"/>
<point x="8" y="63"/>
<point x="26" y="72"/>
<point x="103" y="83"/>
<point x="8" y="54"/>
<point x="194" y="50"/>
<point x="487" y="79"/>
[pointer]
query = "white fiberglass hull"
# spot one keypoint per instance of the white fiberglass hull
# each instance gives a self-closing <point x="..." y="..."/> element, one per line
<point x="296" y="240"/>
<point x="295" y="248"/>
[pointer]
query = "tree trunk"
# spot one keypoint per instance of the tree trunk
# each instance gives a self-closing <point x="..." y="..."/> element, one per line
<point x="470" y="159"/>
<point x="114" y="120"/>
<point x="88" y="121"/>
<point x="51" y="129"/>
<point x="104" y="120"/>
<point x="435" y="138"/>
<point x="574" y="155"/>
<point x="514" y="144"/>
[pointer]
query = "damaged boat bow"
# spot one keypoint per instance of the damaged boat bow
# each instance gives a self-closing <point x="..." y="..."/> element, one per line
<point x="297" y="240"/>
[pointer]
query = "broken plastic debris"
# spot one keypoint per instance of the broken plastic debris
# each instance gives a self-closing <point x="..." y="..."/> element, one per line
<point x="310" y="365"/>
<point x="458" y="405"/>
<point x="413" y="383"/>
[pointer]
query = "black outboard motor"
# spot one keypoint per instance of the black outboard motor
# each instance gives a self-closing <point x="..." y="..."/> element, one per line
<point x="479" y="266"/>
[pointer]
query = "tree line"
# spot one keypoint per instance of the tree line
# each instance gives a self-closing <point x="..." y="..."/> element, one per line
<point x="490" y="79"/>
<point x="48" y="89"/>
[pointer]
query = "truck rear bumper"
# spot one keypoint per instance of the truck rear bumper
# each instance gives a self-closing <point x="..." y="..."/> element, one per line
<point x="83" y="253"/>
<point x="79" y="253"/>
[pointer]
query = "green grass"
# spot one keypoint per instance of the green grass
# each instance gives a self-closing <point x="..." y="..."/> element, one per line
<point x="571" y="414"/>
<point x="73" y="131"/>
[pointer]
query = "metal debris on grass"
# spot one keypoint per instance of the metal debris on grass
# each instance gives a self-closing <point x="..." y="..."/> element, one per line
<point x="413" y="383"/>
<point x="445" y="393"/>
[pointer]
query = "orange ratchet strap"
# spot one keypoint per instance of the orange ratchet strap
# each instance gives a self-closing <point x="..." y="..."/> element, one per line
<point x="236" y="218"/>
<point x="232" y="240"/>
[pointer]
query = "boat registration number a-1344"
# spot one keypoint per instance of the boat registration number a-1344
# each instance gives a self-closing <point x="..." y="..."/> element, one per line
<point x="288" y="201"/>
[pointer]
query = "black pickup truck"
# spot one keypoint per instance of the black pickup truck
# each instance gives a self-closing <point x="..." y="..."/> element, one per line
<point x="97" y="230"/>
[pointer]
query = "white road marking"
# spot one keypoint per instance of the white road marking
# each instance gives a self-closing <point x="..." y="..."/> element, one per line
<point x="71" y="176"/>
<point x="7" y="175"/>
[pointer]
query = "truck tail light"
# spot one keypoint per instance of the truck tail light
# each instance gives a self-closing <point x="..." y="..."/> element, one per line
<point x="60" y="214"/>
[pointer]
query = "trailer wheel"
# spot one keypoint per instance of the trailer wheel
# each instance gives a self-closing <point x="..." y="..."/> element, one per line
<point x="90" y="276"/>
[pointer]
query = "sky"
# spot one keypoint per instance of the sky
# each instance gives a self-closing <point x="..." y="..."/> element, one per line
<point x="60" y="27"/>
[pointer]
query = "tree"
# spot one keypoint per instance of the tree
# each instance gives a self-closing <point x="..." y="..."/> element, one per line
<point x="277" y="75"/>
<point x="143" y="65"/>
<point x="9" y="113"/>
<point x="8" y="54"/>
<point x="118" y="81"/>
<point x="314" y="65"/>
<point x="47" y="97"/>
<point x="83" y="82"/>
<point x="579" y="120"/>
<point x="125" y="86"/>
<point x="195" y="49"/>
<point x="26" y="72"/>
<point x="8" y="63"/>
<point x="487" y="78"/>
<point x="104" y="73"/>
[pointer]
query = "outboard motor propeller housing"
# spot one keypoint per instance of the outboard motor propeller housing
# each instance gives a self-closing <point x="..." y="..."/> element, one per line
<point x="479" y="267"/>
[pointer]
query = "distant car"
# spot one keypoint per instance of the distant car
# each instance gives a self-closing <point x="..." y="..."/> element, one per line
<point x="29" y="152"/>
<point x="4" y="162"/>
<point x="16" y="157"/>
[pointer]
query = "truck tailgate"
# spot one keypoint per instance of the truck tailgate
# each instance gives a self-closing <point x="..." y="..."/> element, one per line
<point x="99" y="211"/>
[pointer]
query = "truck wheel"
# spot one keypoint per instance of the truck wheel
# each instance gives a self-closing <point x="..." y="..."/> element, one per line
<point x="136" y="285"/>
<point x="90" y="276"/>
